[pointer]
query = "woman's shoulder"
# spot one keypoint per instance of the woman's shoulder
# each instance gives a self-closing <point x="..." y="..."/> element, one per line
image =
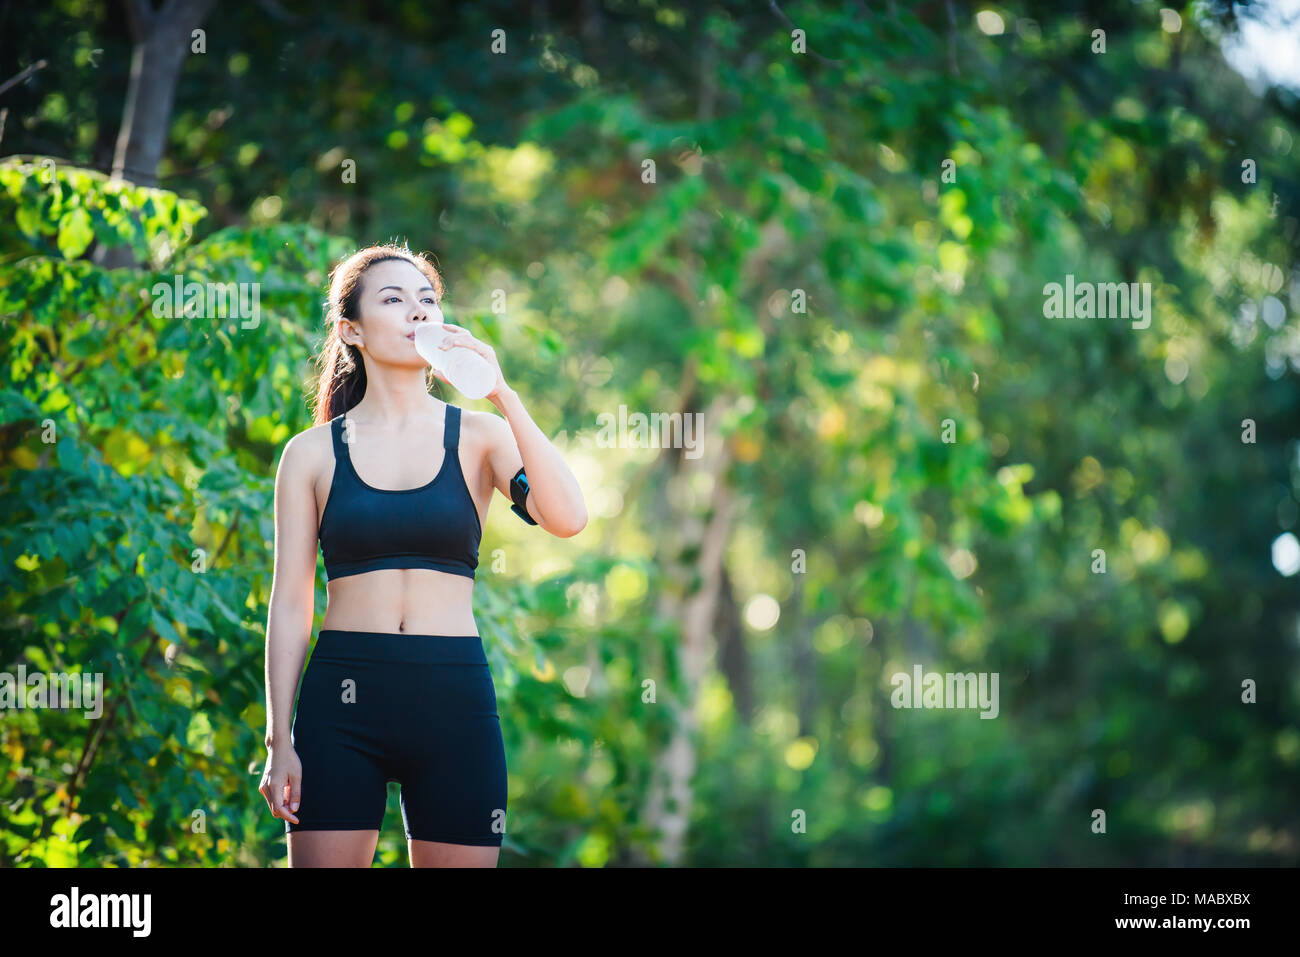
<point x="486" y="428"/>
<point x="309" y="448"/>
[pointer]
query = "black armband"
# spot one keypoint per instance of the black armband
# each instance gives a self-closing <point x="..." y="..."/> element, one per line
<point x="518" y="494"/>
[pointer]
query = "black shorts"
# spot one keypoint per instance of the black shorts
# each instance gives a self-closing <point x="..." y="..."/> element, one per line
<point x="417" y="709"/>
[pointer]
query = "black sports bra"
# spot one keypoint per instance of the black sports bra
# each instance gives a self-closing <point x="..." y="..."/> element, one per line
<point x="434" y="526"/>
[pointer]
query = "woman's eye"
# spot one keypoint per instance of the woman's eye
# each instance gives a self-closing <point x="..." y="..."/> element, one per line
<point x="391" y="299"/>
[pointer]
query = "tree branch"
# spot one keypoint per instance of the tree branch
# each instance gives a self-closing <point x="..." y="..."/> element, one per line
<point x="18" y="78"/>
<point x="234" y="523"/>
<point x="790" y="23"/>
<point x="952" y="39"/>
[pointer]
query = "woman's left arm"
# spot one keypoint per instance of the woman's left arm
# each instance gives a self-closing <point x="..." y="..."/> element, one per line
<point x="554" y="498"/>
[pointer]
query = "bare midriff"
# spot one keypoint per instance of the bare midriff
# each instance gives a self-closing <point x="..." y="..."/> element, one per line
<point x="402" y="601"/>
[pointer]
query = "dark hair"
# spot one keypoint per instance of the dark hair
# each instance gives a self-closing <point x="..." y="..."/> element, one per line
<point x="341" y="375"/>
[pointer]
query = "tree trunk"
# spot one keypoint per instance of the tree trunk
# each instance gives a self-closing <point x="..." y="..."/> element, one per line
<point x="694" y="544"/>
<point x="803" y="658"/>
<point x="733" y="654"/>
<point x="162" y="41"/>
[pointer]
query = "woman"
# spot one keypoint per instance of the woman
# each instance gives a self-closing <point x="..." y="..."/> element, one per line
<point x="398" y="688"/>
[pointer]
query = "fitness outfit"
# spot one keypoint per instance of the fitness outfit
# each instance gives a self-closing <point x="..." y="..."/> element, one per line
<point x="421" y="710"/>
<point x="433" y="526"/>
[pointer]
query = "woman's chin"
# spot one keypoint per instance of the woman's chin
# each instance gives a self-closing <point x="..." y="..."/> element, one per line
<point x="405" y="363"/>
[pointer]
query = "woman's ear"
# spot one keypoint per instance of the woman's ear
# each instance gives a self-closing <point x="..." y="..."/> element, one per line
<point x="349" y="332"/>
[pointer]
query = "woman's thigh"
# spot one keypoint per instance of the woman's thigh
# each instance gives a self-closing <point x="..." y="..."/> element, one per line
<point x="438" y="854"/>
<point x="449" y="755"/>
<point x="357" y="849"/>
<point x="333" y="848"/>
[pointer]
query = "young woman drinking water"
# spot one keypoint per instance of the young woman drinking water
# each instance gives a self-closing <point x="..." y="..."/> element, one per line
<point x="395" y="485"/>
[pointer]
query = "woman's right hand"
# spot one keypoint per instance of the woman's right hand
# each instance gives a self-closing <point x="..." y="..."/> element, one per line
<point x="282" y="782"/>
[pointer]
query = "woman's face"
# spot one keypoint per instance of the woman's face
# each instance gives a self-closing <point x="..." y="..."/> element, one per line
<point x="396" y="298"/>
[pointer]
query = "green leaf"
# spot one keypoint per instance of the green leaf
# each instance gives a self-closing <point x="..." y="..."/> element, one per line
<point x="164" y="627"/>
<point x="75" y="233"/>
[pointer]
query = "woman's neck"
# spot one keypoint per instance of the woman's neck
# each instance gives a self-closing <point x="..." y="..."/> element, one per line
<point x="396" y="399"/>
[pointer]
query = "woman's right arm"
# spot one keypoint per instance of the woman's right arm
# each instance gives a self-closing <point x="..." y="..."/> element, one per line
<point x="289" y="620"/>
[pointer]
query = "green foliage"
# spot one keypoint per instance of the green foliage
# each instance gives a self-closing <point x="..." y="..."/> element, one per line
<point x="139" y="463"/>
<point x="870" y="335"/>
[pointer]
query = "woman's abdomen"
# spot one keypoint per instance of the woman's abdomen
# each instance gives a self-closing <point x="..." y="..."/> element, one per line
<point x="417" y="601"/>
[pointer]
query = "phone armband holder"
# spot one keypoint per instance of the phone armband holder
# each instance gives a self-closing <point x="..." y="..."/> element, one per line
<point x="518" y="495"/>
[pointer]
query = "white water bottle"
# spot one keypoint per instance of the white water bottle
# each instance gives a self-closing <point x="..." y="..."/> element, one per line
<point x="471" y="374"/>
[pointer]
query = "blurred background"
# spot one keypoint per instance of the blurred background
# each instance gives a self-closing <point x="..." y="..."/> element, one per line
<point x="823" y="235"/>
